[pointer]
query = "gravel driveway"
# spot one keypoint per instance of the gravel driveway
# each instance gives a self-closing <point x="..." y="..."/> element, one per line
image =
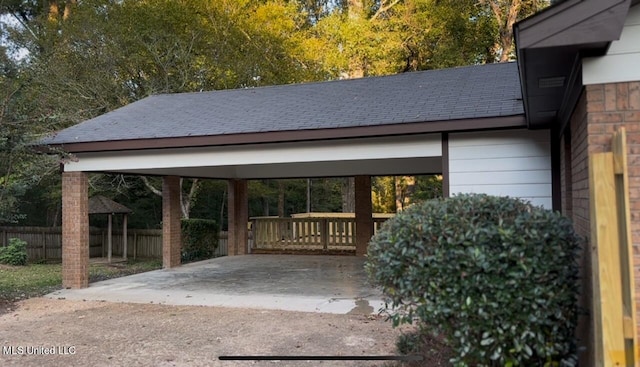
<point x="90" y="333"/>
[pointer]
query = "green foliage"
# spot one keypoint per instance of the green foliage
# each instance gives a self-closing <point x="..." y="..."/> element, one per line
<point x="85" y="58"/>
<point x="29" y="281"/>
<point x="199" y="239"/>
<point x="409" y="343"/>
<point x="15" y="253"/>
<point x="497" y="276"/>
<point x="427" y="187"/>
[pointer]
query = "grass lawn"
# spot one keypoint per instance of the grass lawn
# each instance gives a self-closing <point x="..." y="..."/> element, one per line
<point x="32" y="280"/>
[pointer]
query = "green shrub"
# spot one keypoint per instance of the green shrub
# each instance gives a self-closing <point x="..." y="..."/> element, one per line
<point x="495" y="275"/>
<point x="15" y="253"/>
<point x="199" y="239"/>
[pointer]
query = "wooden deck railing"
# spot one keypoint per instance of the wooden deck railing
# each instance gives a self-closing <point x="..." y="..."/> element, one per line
<point x="306" y="233"/>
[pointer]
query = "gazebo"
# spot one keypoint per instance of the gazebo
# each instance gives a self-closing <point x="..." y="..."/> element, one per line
<point x="101" y="205"/>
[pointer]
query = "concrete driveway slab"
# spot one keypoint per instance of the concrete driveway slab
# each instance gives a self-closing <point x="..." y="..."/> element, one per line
<point x="307" y="283"/>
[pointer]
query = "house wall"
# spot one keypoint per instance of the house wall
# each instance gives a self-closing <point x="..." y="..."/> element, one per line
<point x="602" y="109"/>
<point x="611" y="98"/>
<point x="574" y="167"/>
<point x="620" y="64"/>
<point x="510" y="162"/>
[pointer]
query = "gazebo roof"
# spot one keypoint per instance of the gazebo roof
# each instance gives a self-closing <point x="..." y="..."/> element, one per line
<point x="102" y="205"/>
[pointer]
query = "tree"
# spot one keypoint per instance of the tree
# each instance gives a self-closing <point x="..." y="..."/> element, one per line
<point x="189" y="189"/>
<point x="87" y="58"/>
<point x="20" y="166"/>
<point x="506" y="13"/>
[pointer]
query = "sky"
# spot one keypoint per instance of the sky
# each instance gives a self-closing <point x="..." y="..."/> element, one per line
<point x="7" y="20"/>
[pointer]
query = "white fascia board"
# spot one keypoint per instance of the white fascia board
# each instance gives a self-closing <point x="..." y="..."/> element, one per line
<point x="413" y="146"/>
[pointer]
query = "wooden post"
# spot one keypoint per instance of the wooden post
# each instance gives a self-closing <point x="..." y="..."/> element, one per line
<point x="364" y="215"/>
<point x="44" y="245"/>
<point x="238" y="214"/>
<point x="619" y="148"/>
<point x="135" y="244"/>
<point x="4" y="238"/>
<point x="124" y="236"/>
<point x="324" y="233"/>
<point x="613" y="295"/>
<point x="109" y="242"/>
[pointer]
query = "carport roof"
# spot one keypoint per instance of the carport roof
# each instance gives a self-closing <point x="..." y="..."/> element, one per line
<point x="477" y="97"/>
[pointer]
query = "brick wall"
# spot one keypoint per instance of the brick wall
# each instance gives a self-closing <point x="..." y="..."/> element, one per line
<point x="575" y="205"/>
<point x="75" y="230"/>
<point x="601" y="110"/>
<point x="615" y="105"/>
<point x="171" y="214"/>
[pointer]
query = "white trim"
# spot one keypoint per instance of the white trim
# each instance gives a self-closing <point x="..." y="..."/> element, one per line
<point x="230" y="160"/>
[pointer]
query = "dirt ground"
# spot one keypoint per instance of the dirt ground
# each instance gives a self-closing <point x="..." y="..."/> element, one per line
<point x="83" y="333"/>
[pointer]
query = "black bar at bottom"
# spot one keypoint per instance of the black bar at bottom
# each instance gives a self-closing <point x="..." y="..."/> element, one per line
<point x="320" y="358"/>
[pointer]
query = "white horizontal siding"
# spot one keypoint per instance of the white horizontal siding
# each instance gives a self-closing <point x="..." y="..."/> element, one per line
<point x="620" y="64"/>
<point x="514" y="163"/>
<point x="501" y="164"/>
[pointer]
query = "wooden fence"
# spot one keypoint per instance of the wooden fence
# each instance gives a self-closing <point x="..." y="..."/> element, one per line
<point x="46" y="242"/>
<point x="614" y="309"/>
<point x="325" y="233"/>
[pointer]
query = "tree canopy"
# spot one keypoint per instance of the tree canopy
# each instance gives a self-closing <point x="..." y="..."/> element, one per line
<point x="65" y="61"/>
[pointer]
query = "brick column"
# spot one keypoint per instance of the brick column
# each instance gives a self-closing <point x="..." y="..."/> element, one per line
<point x="238" y="217"/>
<point x="364" y="215"/>
<point x="75" y="230"/>
<point x="171" y="214"/>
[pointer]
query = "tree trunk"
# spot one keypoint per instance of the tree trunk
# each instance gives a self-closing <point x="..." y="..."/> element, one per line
<point x="398" y="186"/>
<point x="265" y="206"/>
<point x="308" y="195"/>
<point x="222" y="211"/>
<point x="404" y="185"/>
<point x="186" y="201"/>
<point x="355" y="9"/>
<point x="54" y="10"/>
<point x="67" y="8"/>
<point x="349" y="195"/>
<point x="281" y="189"/>
<point x="506" y="14"/>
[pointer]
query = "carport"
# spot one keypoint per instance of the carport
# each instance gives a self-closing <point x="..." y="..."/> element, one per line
<point x="464" y="123"/>
<point x="311" y="283"/>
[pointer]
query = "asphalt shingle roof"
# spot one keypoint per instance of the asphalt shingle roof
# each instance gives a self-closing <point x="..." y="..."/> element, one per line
<point x="470" y="92"/>
<point x="102" y="205"/>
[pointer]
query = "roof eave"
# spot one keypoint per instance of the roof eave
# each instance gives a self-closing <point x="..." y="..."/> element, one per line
<point x="565" y="24"/>
<point x="567" y="31"/>
<point x="489" y="123"/>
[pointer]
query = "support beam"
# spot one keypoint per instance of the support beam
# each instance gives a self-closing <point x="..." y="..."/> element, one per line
<point x="238" y="217"/>
<point x="110" y="238"/>
<point x="445" y="166"/>
<point x="171" y="214"/>
<point x="124" y="236"/>
<point x="75" y="230"/>
<point x="364" y="215"/>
